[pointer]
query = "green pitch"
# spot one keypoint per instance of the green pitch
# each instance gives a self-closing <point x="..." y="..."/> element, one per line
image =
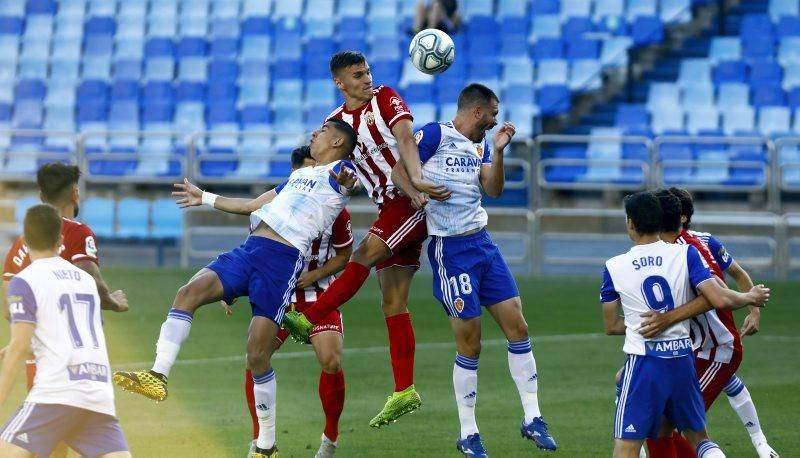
<point x="205" y="414"/>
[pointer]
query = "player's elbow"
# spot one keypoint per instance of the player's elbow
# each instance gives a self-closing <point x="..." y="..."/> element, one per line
<point x="494" y="190"/>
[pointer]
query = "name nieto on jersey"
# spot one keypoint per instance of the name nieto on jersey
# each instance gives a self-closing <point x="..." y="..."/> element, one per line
<point x="64" y="274"/>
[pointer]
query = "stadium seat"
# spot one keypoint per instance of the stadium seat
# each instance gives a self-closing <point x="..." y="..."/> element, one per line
<point x="702" y="118"/>
<point x="732" y="94"/>
<point x="773" y="121"/>
<point x="737" y="119"/>
<point x="697" y="95"/>
<point x="585" y="75"/>
<point x="133" y="217"/>
<point x="98" y="213"/>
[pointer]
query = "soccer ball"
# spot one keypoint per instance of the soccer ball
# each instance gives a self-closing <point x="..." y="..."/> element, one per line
<point x="432" y="51"/>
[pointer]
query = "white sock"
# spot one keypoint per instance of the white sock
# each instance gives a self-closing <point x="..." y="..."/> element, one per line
<point x="523" y="371"/>
<point x="708" y="449"/>
<point x="465" y="385"/>
<point x="741" y="402"/>
<point x="265" y="389"/>
<point x="173" y="332"/>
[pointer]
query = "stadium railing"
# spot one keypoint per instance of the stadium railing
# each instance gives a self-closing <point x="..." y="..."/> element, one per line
<point x="577" y="241"/>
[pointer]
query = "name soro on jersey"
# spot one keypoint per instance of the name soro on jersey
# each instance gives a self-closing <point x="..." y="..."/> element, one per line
<point x="647" y="261"/>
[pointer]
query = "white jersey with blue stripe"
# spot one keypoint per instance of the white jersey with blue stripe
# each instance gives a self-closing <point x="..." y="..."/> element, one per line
<point x="718" y="250"/>
<point x="68" y="341"/>
<point x="451" y="159"/>
<point x="306" y="205"/>
<point x="656" y="276"/>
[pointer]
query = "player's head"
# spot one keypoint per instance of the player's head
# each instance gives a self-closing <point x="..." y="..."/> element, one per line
<point x="351" y="74"/>
<point x="643" y="213"/>
<point x="333" y="141"/>
<point x="687" y="205"/>
<point x="478" y="105"/>
<point x="58" y="185"/>
<point x="301" y="157"/>
<point x="670" y="210"/>
<point x="42" y="228"/>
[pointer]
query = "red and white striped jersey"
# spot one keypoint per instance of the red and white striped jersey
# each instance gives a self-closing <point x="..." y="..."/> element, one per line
<point x="376" y="152"/>
<point x="714" y="333"/>
<point x="340" y="235"/>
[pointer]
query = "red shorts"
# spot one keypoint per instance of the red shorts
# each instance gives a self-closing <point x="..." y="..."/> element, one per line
<point x="713" y="376"/>
<point x="403" y="230"/>
<point x="331" y="322"/>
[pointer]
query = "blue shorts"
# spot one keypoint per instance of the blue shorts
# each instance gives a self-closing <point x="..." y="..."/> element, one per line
<point x="653" y="388"/>
<point x="38" y="428"/>
<point x="263" y="269"/>
<point x="468" y="272"/>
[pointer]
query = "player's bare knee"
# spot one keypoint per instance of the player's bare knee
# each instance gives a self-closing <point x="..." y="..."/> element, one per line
<point x="330" y="363"/>
<point x="391" y="308"/>
<point x="517" y="330"/>
<point x="257" y="359"/>
<point x="186" y="298"/>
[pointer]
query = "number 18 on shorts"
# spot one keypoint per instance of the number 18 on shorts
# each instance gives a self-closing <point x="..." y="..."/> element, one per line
<point x="469" y="272"/>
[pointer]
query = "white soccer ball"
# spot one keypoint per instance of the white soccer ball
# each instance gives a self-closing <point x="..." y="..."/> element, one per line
<point x="432" y="51"/>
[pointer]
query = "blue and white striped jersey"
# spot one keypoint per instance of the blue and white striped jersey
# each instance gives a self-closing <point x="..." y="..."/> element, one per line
<point x="451" y="159"/>
<point x="658" y="276"/>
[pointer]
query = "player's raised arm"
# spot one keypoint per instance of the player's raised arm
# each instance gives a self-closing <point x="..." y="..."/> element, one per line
<point x="189" y="195"/>
<point x="493" y="176"/>
<point x="401" y="180"/>
<point x="409" y="154"/>
<point x="717" y="294"/>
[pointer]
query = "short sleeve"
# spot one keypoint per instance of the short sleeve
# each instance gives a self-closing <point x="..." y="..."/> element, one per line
<point x="392" y="107"/>
<point x="428" y="140"/>
<point x="607" y="291"/>
<point x="342" y="232"/>
<point x="487" y="153"/>
<point x="336" y="169"/>
<point x="21" y="301"/>
<point x="698" y="269"/>
<point x="15" y="259"/>
<point x="80" y="244"/>
<point x="280" y="187"/>
<point x="721" y="255"/>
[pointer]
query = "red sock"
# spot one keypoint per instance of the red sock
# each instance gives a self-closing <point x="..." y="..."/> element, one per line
<point x="663" y="447"/>
<point x="683" y="449"/>
<point x="251" y="400"/>
<point x="340" y="291"/>
<point x="401" y="349"/>
<point x="331" y="393"/>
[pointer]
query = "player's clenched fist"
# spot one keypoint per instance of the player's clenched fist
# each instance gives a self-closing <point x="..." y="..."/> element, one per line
<point x="121" y="299"/>
<point x="760" y="295"/>
<point x="188" y="195"/>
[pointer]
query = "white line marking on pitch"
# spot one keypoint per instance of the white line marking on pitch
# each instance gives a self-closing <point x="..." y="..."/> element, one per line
<point x="360" y="350"/>
<point x="420" y="346"/>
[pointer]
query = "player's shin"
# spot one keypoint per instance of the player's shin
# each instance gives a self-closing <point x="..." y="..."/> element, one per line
<point x="251" y="401"/>
<point x="331" y="394"/>
<point x="402" y="346"/>
<point x="741" y="402"/>
<point x="522" y="366"/>
<point x="339" y="292"/>
<point x="264" y="391"/>
<point x="173" y="332"/>
<point x="465" y="385"/>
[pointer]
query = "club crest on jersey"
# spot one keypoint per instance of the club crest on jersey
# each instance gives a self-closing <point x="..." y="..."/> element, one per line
<point x="459" y="304"/>
<point x="418" y="136"/>
<point x="479" y="150"/>
<point x="370" y="117"/>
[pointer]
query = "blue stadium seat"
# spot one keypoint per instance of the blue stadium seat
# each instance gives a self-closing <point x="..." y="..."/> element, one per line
<point x="193" y="69"/>
<point x="724" y="48"/>
<point x="586" y="75"/>
<point x="647" y="30"/>
<point x="554" y="99"/>
<point x="191" y="47"/>
<point x="127" y="70"/>
<point x="697" y="95"/>
<point x="666" y="121"/>
<point x="663" y="95"/>
<point x="257" y="25"/>
<point x="159" y="69"/>
<point x="583" y="49"/>
<point x="768" y="95"/>
<point x="773" y="121"/>
<point x="253" y="93"/>
<point x="98" y="213"/>
<point x="789" y="50"/>
<point x="615" y="51"/>
<point x="320" y="92"/>
<point x="632" y="116"/>
<point x="702" y="119"/>
<point x="224" y="48"/>
<point x="133" y="217"/>
<point x="778" y="8"/>
<point x="729" y="72"/>
<point x="287" y="93"/>
<point x="766" y="72"/>
<point x="640" y="8"/>
<point x="676" y="11"/>
<point x="738" y="119"/>
<point x="223" y="70"/>
<point x="545" y="26"/>
<point x="548" y="48"/>
<point x="254" y="69"/>
<point x="551" y="71"/>
<point x="788" y="26"/>
<point x="517" y="71"/>
<point x="28" y="114"/>
<point x="733" y="94"/>
<point x="694" y="71"/>
<point x="418" y="93"/>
